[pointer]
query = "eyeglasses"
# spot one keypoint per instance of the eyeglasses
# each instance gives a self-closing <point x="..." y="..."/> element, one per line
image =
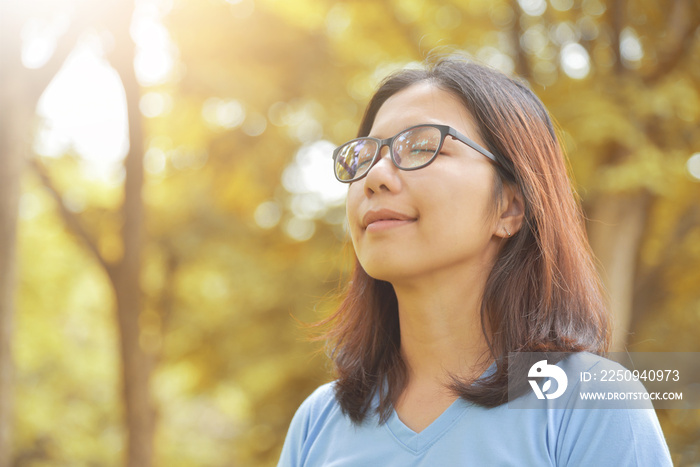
<point x="411" y="149"/>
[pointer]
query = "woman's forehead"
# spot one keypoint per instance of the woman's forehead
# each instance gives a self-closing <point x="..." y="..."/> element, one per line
<point x="419" y="103"/>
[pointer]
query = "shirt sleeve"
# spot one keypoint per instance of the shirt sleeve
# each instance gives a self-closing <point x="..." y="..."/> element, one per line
<point x="296" y="443"/>
<point x="620" y="437"/>
<point x="613" y="437"/>
<point x="296" y="435"/>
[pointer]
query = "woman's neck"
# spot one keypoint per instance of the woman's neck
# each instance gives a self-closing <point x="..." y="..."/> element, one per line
<point x="441" y="331"/>
<point x="441" y="337"/>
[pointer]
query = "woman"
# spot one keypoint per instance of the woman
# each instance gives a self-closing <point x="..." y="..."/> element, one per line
<point x="470" y="245"/>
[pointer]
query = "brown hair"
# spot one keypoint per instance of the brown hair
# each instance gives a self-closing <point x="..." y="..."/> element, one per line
<point x="543" y="293"/>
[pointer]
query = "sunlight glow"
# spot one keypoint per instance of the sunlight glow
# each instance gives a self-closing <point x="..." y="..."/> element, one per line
<point x="39" y="39"/>
<point x="313" y="187"/>
<point x="154" y="104"/>
<point x="534" y="39"/>
<point x="255" y="124"/>
<point x="268" y="214"/>
<point x="565" y="32"/>
<point x="300" y="229"/>
<point x="312" y="172"/>
<point x="337" y="20"/>
<point x="497" y="59"/>
<point x="575" y="61"/>
<point x="84" y="109"/>
<point x="630" y="46"/>
<point x="154" y="160"/>
<point x="562" y="5"/>
<point x="533" y="7"/>
<point x="693" y="165"/>
<point x="223" y="113"/>
<point x="156" y="53"/>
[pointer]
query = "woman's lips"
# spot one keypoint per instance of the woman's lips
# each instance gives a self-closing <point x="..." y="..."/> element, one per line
<point x="378" y="226"/>
<point x="382" y="219"/>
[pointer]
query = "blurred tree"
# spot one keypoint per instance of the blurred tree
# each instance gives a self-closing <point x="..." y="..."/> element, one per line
<point x="261" y="90"/>
<point x="608" y="74"/>
<point x="11" y="152"/>
<point x="647" y="50"/>
<point x="21" y="95"/>
<point x="19" y="92"/>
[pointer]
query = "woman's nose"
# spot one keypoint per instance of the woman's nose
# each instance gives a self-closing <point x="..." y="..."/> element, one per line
<point x="383" y="175"/>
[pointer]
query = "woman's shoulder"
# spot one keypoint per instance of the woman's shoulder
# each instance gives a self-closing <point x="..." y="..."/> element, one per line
<point x="318" y="407"/>
<point x="320" y="401"/>
<point x="607" y="418"/>
<point x="312" y="415"/>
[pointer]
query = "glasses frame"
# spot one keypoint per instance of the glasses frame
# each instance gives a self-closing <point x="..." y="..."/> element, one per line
<point x="445" y="131"/>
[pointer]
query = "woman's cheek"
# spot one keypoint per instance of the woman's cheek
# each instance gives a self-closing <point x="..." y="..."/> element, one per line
<point x="351" y="211"/>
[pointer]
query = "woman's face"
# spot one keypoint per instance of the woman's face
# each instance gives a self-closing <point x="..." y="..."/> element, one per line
<point x="441" y="219"/>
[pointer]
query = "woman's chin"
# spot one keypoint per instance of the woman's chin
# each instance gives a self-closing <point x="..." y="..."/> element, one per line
<point x="388" y="272"/>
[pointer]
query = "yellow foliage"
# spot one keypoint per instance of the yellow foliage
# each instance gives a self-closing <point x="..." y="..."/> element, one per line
<point x="255" y="80"/>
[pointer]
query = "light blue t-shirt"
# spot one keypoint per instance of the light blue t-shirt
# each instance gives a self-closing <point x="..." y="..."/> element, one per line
<point x="470" y="435"/>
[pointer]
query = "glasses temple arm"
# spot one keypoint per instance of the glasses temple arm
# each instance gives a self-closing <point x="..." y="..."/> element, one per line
<point x="456" y="134"/>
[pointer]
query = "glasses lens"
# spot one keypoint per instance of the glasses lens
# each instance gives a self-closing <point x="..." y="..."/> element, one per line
<point x="354" y="158"/>
<point x="416" y="147"/>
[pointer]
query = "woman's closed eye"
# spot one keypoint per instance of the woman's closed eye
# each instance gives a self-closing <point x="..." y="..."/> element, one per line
<point x="426" y="150"/>
<point x="364" y="163"/>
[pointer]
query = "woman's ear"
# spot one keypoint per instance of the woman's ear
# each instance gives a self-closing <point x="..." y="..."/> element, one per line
<point x="511" y="213"/>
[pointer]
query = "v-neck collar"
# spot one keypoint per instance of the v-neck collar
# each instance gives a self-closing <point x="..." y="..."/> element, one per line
<point x="418" y="442"/>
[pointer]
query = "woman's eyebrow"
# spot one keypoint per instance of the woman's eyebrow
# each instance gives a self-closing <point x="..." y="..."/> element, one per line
<point x="409" y="126"/>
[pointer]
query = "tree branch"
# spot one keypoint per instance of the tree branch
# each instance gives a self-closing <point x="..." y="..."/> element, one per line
<point x="616" y="15"/>
<point x="681" y="28"/>
<point x="649" y="288"/>
<point x="41" y="78"/>
<point x="72" y="221"/>
<point x="522" y="66"/>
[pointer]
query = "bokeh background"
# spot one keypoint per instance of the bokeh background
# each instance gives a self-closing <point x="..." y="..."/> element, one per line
<point x="170" y="218"/>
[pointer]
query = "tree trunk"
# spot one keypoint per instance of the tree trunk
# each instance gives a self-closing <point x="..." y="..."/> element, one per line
<point x="136" y="364"/>
<point x="615" y="227"/>
<point x="10" y="158"/>
<point x="14" y="120"/>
